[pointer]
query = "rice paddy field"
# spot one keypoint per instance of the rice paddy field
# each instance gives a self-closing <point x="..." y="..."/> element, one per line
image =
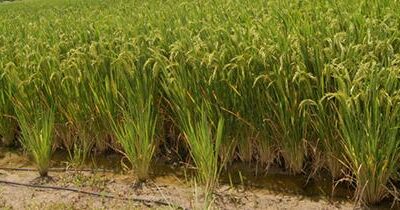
<point x="308" y="88"/>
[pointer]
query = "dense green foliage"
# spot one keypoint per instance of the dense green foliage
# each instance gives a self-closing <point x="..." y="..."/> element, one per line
<point x="312" y="83"/>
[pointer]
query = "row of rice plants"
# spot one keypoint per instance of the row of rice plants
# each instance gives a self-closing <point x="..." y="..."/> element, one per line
<point x="303" y="84"/>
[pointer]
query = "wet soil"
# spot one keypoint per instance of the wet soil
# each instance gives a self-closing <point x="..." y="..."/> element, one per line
<point x="239" y="189"/>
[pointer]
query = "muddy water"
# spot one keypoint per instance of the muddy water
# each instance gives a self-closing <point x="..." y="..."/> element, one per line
<point x="276" y="180"/>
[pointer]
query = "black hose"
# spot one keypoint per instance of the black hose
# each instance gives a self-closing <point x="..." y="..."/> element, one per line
<point x="55" y="169"/>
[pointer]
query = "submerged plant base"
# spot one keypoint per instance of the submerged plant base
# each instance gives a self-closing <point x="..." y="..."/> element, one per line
<point x="8" y="139"/>
<point x="294" y="161"/>
<point x="371" y="188"/>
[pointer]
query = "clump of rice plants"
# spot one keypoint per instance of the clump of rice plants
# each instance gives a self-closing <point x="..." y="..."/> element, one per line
<point x="288" y="121"/>
<point x="204" y="141"/>
<point x="80" y="150"/>
<point x="189" y="97"/>
<point x="136" y="128"/>
<point x="35" y="113"/>
<point x="8" y="125"/>
<point x="368" y="109"/>
<point x="204" y="148"/>
<point x="37" y="135"/>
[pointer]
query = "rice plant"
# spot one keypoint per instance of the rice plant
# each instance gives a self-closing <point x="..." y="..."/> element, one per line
<point x="136" y="128"/>
<point x="37" y="136"/>
<point x="369" y="120"/>
<point x="138" y="144"/>
<point x="204" y="148"/>
<point x="199" y="120"/>
<point x="8" y="124"/>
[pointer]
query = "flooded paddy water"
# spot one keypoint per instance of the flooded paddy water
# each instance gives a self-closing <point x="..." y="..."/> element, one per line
<point x="240" y="187"/>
